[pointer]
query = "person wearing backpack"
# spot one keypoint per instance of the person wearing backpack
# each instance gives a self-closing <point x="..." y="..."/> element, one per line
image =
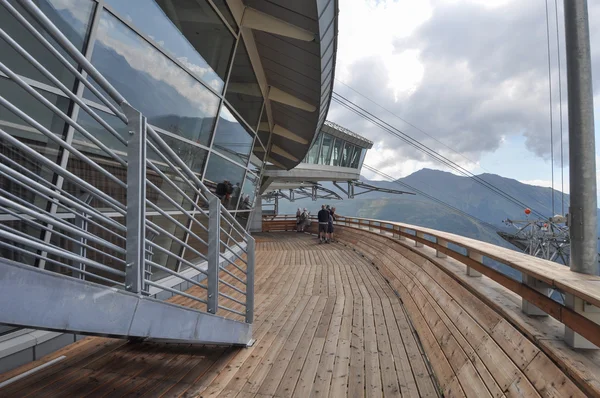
<point x="303" y="220"/>
<point x="298" y="214"/>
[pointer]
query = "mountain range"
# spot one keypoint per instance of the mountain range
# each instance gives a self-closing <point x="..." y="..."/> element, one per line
<point x="487" y="208"/>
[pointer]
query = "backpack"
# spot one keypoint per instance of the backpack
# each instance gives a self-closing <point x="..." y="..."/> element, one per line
<point x="303" y="216"/>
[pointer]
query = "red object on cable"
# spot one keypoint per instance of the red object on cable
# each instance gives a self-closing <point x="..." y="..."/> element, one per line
<point x="528" y="211"/>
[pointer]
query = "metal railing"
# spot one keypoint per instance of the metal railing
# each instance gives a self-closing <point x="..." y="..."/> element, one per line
<point x="116" y="211"/>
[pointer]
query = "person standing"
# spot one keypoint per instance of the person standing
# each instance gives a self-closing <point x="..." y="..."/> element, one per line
<point x="298" y="214"/>
<point x="323" y="218"/>
<point x="330" y="226"/>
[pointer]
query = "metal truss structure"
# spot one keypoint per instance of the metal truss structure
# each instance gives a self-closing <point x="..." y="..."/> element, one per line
<point x="351" y="192"/>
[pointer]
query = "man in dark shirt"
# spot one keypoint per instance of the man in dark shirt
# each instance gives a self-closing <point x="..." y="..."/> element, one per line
<point x="323" y="217"/>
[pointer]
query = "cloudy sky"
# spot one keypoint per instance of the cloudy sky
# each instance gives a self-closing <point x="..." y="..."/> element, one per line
<point x="471" y="75"/>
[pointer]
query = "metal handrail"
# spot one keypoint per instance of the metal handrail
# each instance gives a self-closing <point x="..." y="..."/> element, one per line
<point x="137" y="235"/>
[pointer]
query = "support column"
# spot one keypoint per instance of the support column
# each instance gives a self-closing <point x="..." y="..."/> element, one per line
<point x="442" y="243"/>
<point x="214" y="255"/>
<point x="527" y="307"/>
<point x="582" y="156"/>
<point x="477" y="257"/>
<point x="419" y="235"/>
<point x="589" y="311"/>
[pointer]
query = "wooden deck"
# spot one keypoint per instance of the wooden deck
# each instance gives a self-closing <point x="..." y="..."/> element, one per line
<point x="326" y="324"/>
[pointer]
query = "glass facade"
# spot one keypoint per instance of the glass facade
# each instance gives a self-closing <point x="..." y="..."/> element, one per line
<point x="190" y="75"/>
<point x="334" y="151"/>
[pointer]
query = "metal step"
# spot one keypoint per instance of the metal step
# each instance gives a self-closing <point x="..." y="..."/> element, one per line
<point x="40" y="299"/>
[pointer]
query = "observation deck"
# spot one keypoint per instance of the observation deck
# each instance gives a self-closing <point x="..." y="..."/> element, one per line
<point x="388" y="310"/>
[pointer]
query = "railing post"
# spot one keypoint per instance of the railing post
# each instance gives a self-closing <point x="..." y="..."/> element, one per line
<point x="443" y="243"/>
<point x="527" y="307"/>
<point x="214" y="239"/>
<point x="81" y="222"/>
<point x="477" y="257"/>
<point x="572" y="338"/>
<point x="136" y="200"/>
<point x="250" y="280"/>
<point x="401" y="237"/>
<point x="419" y="235"/>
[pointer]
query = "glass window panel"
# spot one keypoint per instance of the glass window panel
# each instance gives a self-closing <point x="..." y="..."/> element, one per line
<point x="363" y="152"/>
<point x="190" y="31"/>
<point x="336" y="154"/>
<point x="71" y="17"/>
<point x="18" y="128"/>
<point x="168" y="243"/>
<point x="249" y="192"/>
<point x="97" y="130"/>
<point x="224" y="179"/>
<point x="313" y="153"/>
<point x="193" y="156"/>
<point x="232" y="139"/>
<point x="355" y="157"/>
<point x="347" y="155"/>
<point x="168" y="96"/>
<point x="199" y="228"/>
<point x="326" y="149"/>
<point x="222" y="6"/>
<point x="243" y="91"/>
<point x="242" y="217"/>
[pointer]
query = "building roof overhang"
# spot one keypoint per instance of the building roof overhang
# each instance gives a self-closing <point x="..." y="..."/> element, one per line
<point x="292" y="45"/>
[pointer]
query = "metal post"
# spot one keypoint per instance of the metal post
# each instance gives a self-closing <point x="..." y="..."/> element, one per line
<point x="81" y="222"/>
<point x="250" y="281"/>
<point x="136" y="200"/>
<point x="214" y="238"/>
<point x="582" y="157"/>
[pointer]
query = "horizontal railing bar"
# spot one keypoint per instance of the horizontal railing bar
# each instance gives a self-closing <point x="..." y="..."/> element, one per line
<point x="63" y="60"/>
<point x="232" y="311"/>
<point x="174" y="273"/>
<point x="242" y="233"/>
<point x="232" y="275"/>
<point x="37" y="213"/>
<point x="170" y="235"/>
<point x="234" y="241"/>
<point x="40" y="214"/>
<point x="50" y="260"/>
<point x="57" y="232"/>
<point x="175" y="221"/>
<point x="58" y="199"/>
<point x="118" y="207"/>
<point x="228" y="297"/>
<point x="231" y="262"/>
<point x="234" y="223"/>
<point x="177" y="205"/>
<point x="72" y="50"/>
<point x="174" y="291"/>
<point x="175" y="256"/>
<point x="161" y="147"/>
<point x="232" y="287"/>
<point x="53" y="137"/>
<point x="58" y="252"/>
<point x="60" y="113"/>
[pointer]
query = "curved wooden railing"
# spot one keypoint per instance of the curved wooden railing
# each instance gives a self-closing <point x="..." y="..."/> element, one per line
<point x="583" y="316"/>
<point x="467" y="323"/>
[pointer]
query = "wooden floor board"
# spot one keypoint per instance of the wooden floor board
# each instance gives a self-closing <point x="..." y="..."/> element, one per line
<point x="326" y="324"/>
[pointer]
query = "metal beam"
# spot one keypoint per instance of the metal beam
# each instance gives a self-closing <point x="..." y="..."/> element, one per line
<point x="582" y="157"/>
<point x="286" y="98"/>
<point x="258" y="20"/>
<point x="40" y="299"/>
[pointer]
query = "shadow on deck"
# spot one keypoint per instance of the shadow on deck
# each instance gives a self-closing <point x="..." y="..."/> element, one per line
<point x="326" y="324"/>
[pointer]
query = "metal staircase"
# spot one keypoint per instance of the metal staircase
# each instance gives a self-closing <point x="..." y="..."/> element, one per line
<point x="82" y="249"/>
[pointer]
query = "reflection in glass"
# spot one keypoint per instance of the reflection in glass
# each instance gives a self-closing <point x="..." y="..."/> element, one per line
<point x="326" y="149"/>
<point x="222" y="6"/>
<point x="18" y="128"/>
<point x="242" y="217"/>
<point x="167" y="95"/>
<point x="313" y="153"/>
<point x="243" y="92"/>
<point x="232" y="139"/>
<point x="224" y="179"/>
<point x="193" y="156"/>
<point x="71" y="17"/>
<point x="103" y="135"/>
<point x="249" y="192"/>
<point x="336" y="154"/>
<point x="168" y="243"/>
<point x="363" y="152"/>
<point x="191" y="31"/>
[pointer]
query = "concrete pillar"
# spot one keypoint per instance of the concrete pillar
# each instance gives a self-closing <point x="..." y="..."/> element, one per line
<point x="442" y="243"/>
<point x="256" y="216"/>
<point x="589" y="311"/>
<point x="541" y="287"/>
<point x="420" y="235"/>
<point x="477" y="257"/>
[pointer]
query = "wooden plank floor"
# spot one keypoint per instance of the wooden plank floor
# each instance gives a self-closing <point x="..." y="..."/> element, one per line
<point x="326" y="324"/>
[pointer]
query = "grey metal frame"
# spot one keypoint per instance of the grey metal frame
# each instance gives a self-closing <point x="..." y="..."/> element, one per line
<point x="137" y="232"/>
